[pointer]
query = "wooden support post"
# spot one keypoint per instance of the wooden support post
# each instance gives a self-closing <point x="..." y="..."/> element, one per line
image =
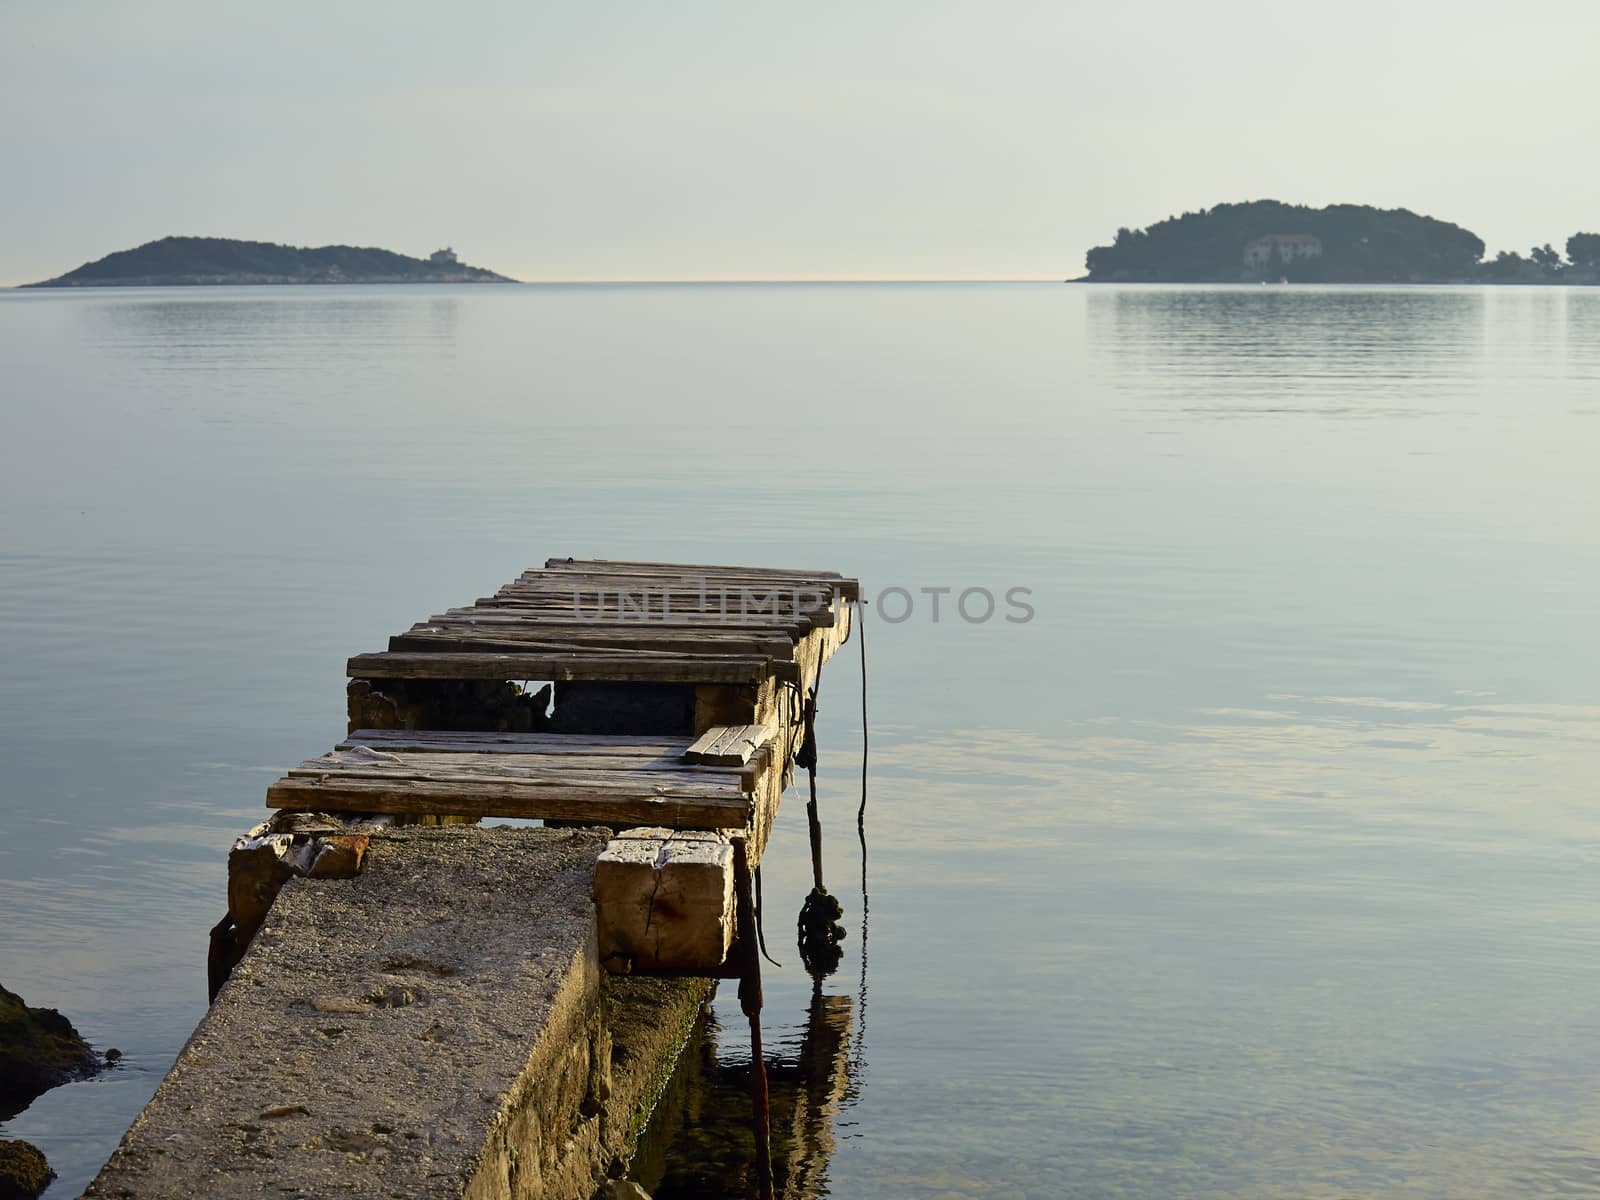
<point x="750" y="1003"/>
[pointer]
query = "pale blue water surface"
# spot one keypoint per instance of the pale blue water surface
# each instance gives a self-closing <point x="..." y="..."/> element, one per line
<point x="1263" y="862"/>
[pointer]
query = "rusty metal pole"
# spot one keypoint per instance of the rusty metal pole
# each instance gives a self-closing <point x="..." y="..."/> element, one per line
<point x="750" y="1003"/>
<point x="807" y="758"/>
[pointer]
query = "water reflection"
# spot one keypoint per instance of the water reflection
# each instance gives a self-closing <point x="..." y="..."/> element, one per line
<point x="700" y="1145"/>
<point x="1330" y="768"/>
<point x="1583" y="345"/>
<point x="1229" y="352"/>
<point x="1251" y="927"/>
<point x="1266" y="326"/>
<point x="227" y="317"/>
<point x="1261" y="863"/>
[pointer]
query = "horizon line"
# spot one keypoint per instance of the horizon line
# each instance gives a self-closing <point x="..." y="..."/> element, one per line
<point x="757" y="279"/>
<point x="738" y="280"/>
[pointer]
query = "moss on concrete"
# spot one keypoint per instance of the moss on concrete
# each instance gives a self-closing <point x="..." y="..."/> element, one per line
<point x="651" y="1022"/>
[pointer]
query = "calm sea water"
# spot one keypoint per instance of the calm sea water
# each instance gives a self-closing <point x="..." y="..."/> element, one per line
<point x="1263" y="862"/>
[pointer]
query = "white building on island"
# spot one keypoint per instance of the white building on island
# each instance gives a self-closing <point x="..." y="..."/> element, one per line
<point x="1285" y="248"/>
<point x="444" y="258"/>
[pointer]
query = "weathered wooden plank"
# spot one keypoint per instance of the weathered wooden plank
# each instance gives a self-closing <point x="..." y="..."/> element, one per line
<point x="489" y="608"/>
<point x="622" y="783"/>
<point x="629" y="633"/>
<point x="728" y="745"/>
<point x="601" y="806"/>
<point x="806" y="593"/>
<point x="828" y="582"/>
<point x="489" y="613"/>
<point x="678" y="581"/>
<point x="592" y="755"/>
<point x="482" y="741"/>
<point x="796" y="626"/>
<point x="685" y="583"/>
<point x="632" y="565"/>
<point x="647" y="606"/>
<point x="640" y="774"/>
<point x="619" y="668"/>
<point x="452" y="638"/>
<point x="567" y="583"/>
<point x="608" y="783"/>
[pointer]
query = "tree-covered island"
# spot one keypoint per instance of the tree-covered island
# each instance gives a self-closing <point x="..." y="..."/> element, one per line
<point x="175" y="261"/>
<point x="1266" y="240"/>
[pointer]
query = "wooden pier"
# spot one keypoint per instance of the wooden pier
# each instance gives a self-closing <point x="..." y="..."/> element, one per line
<point x="656" y="707"/>
<point x="638" y="658"/>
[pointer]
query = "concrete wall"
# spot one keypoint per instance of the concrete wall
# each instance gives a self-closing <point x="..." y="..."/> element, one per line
<point x="436" y="1026"/>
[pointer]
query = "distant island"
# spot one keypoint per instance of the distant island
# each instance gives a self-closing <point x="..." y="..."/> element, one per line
<point x="190" y="261"/>
<point x="1266" y="240"/>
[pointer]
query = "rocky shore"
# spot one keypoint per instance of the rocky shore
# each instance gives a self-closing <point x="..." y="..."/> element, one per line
<point x="23" y="1171"/>
<point x="39" y="1050"/>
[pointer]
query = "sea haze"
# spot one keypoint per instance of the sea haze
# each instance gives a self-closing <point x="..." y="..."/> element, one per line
<point x="1261" y="862"/>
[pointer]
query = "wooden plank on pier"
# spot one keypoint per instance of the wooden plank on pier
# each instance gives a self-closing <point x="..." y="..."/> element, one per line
<point x="599" y="803"/>
<point x="645" y="607"/>
<point x="617" y="667"/>
<point x="628" y="566"/>
<point x="454" y="637"/>
<point x="492" y="610"/>
<point x="443" y="741"/>
<point x="801" y="593"/>
<point x="364" y="763"/>
<point x="728" y="745"/>
<point x="606" y="780"/>
<point x="850" y="588"/>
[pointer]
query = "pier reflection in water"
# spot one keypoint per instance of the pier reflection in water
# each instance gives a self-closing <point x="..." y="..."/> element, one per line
<point x="699" y="1142"/>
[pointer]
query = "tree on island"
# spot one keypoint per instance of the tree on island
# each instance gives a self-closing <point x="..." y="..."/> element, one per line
<point x="1583" y="250"/>
<point x="1545" y="258"/>
<point x="1509" y="267"/>
<point x="206" y="260"/>
<point x="1358" y="244"/>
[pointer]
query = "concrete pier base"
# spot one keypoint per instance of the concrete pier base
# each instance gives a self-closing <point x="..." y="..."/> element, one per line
<point x="436" y="1026"/>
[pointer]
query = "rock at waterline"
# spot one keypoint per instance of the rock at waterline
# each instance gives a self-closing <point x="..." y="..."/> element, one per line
<point x="39" y="1049"/>
<point x="23" y="1170"/>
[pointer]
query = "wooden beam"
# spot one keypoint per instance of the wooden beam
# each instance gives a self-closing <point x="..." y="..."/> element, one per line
<point x="447" y="741"/>
<point x="634" y="566"/>
<point x="728" y="745"/>
<point x="453" y="638"/>
<point x="490" y="609"/>
<point x="647" y="608"/>
<point x="619" y="668"/>
<point x="664" y="901"/>
<point x="603" y="805"/>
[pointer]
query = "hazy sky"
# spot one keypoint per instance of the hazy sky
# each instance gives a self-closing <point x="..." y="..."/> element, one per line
<point x="695" y="140"/>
